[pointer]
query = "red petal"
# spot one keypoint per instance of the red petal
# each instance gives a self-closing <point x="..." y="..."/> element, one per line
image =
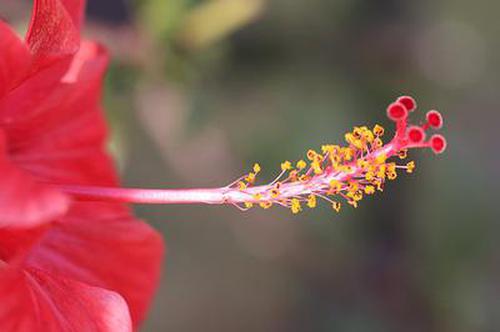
<point x="58" y="132"/>
<point x="27" y="100"/>
<point x="34" y="300"/>
<point x="15" y="59"/>
<point x="100" y="244"/>
<point x="54" y="29"/>
<point x="23" y="201"/>
<point x="16" y="243"/>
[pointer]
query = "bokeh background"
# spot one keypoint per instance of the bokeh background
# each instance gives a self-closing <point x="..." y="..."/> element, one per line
<point x="199" y="90"/>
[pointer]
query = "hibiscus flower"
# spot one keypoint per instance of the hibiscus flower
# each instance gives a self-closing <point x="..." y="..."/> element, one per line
<point x="65" y="265"/>
<point x="72" y="257"/>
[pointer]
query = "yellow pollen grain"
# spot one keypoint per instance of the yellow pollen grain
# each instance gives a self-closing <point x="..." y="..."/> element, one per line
<point x="286" y="166"/>
<point x="311" y="201"/>
<point x="381" y="171"/>
<point x="349" y="138"/>
<point x="256" y="168"/>
<point x="410" y="167"/>
<point x="316" y="166"/>
<point x="318" y="158"/>
<point x="361" y="163"/>
<point x="346" y="169"/>
<point x="368" y="136"/>
<point x="357" y="196"/>
<point x="265" y="205"/>
<point x="257" y="197"/>
<point x="348" y="153"/>
<point x="378" y="130"/>
<point x="381" y="158"/>
<point x="311" y="154"/>
<point x="327" y="148"/>
<point x="335" y="186"/>
<point x="391" y="167"/>
<point x="358" y="144"/>
<point x="304" y="178"/>
<point x="295" y="206"/>
<point x="377" y="143"/>
<point x="301" y="164"/>
<point x="369" y="190"/>
<point x="357" y="132"/>
<point x="335" y="159"/>
<point x="250" y="178"/>
<point x="369" y="176"/>
<point x="392" y="175"/>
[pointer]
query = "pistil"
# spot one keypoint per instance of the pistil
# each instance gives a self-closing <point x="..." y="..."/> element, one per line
<point x="337" y="173"/>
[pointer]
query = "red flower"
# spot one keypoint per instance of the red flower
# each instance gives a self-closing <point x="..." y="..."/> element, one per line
<point x="65" y="265"/>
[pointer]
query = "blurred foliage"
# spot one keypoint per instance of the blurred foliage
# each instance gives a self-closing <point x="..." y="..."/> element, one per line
<point x="219" y="88"/>
<point x="180" y="29"/>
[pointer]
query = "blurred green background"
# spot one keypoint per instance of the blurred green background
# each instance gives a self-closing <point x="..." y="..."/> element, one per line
<point x="199" y="90"/>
